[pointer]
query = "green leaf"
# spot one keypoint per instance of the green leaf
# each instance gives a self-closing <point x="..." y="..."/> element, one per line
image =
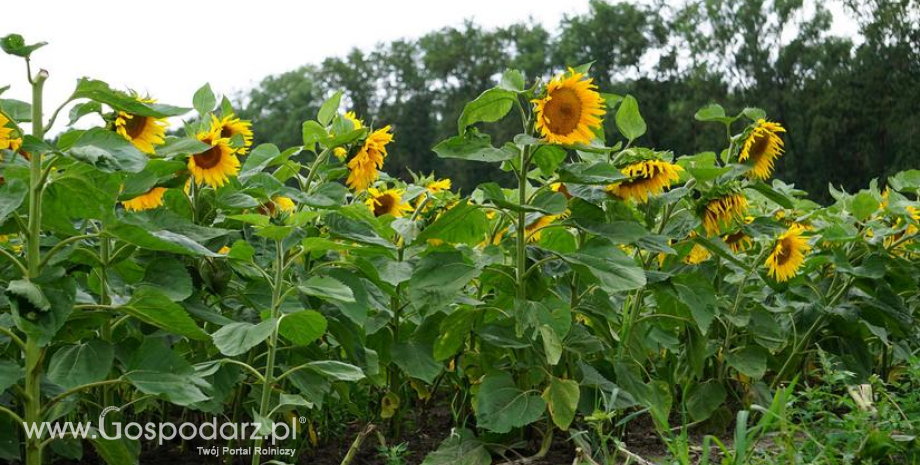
<point x="561" y="396"/>
<point x="613" y="269"/>
<point x="358" y="231"/>
<point x="771" y="194"/>
<point x="122" y="451"/>
<point x="204" y="100"/>
<point x="502" y="405"/>
<point x="416" y="360"/>
<point x="461" y="448"/>
<point x="10" y="374"/>
<point x="703" y="399"/>
<point x="492" y="105"/>
<point x="42" y="325"/>
<point x="78" y="364"/>
<point x="153" y="307"/>
<point x="237" y="338"/>
<point x="437" y="279"/>
<point x="304" y="327"/>
<point x="178" y="146"/>
<point x="474" y="146"/>
<point x="463" y="223"/>
<point x="337" y="370"/>
<point x="170" y="277"/>
<point x="29" y="291"/>
<point x="329" y="108"/>
<point x="102" y="93"/>
<point x="313" y="133"/>
<point x="327" y="288"/>
<point x="18" y="110"/>
<point x="512" y="80"/>
<point x="598" y="173"/>
<point x="548" y="158"/>
<point x="156" y="369"/>
<point x="15" y="44"/>
<point x="552" y="346"/>
<point x="863" y="205"/>
<point x="750" y="361"/>
<point x="455" y="328"/>
<point x="165" y="231"/>
<point x="697" y="293"/>
<point x="713" y="112"/>
<point x="108" y="151"/>
<point x="82" y="109"/>
<point x="628" y="119"/>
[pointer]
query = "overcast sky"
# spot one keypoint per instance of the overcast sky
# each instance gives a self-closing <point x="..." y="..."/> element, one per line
<point x="169" y="48"/>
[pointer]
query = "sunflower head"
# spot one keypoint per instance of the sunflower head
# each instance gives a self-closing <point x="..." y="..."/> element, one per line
<point x="648" y="175"/>
<point x="230" y="126"/>
<point x="438" y="185"/>
<point x="277" y="205"/>
<point x="738" y="241"/>
<point x="8" y="136"/>
<point x="570" y="110"/>
<point x="788" y="254"/>
<point x="145" y="132"/>
<point x="365" y="164"/>
<point x="387" y="202"/>
<point x="722" y="207"/>
<point x="355" y="122"/>
<point x="215" y="165"/>
<point x="224" y="250"/>
<point x="146" y="201"/>
<point x="560" y="188"/>
<point x="762" y="146"/>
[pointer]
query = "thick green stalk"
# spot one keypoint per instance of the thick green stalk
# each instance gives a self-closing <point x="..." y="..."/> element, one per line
<point x="522" y="225"/>
<point x="33" y="353"/>
<point x="272" y="346"/>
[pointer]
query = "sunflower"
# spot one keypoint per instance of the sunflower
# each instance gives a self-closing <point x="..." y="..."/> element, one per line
<point x="698" y="254"/>
<point x="215" y="165"/>
<point x="224" y="250"/>
<point x="7" y="141"/>
<point x="146" y="201"/>
<point x="277" y="203"/>
<point x="762" y="146"/>
<point x="438" y="185"/>
<point x="534" y="230"/>
<point x="720" y="212"/>
<point x="357" y="123"/>
<point x="649" y="177"/>
<point x="560" y="188"/>
<point x="388" y="201"/>
<point x="369" y="159"/>
<point x="570" y="111"/>
<point x="143" y="131"/>
<point x="788" y="254"/>
<point x="230" y="126"/>
<point x="738" y="241"/>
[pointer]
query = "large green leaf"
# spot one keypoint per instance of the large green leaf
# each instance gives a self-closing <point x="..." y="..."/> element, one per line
<point x="42" y="325"/>
<point x="502" y="405"/>
<point x="156" y="369"/>
<point x="703" y="399"/>
<point x="750" y="361"/>
<point x="476" y="147"/>
<point x="697" y="293"/>
<point x="628" y="119"/>
<point x="77" y="364"/>
<point x="461" y="448"/>
<point x="102" y="93"/>
<point x="237" y="338"/>
<point x="437" y="279"/>
<point x="170" y="277"/>
<point x="327" y="288"/>
<point x="455" y="328"/>
<point x="416" y="359"/>
<point x="613" y="269"/>
<point x="464" y="223"/>
<point x="122" y="451"/>
<point x="492" y="105"/>
<point x="348" y="228"/>
<point x="108" y="151"/>
<point x="561" y="396"/>
<point x="10" y="374"/>
<point x="165" y="231"/>
<point x="12" y="193"/>
<point x="337" y="370"/>
<point x="153" y="307"/>
<point x="304" y="327"/>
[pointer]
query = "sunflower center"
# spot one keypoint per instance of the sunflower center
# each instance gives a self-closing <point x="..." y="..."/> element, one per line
<point x="759" y="147"/>
<point x="209" y="158"/>
<point x="226" y="132"/>
<point x="135" y="126"/>
<point x="785" y="252"/>
<point x="384" y="204"/>
<point x="563" y="111"/>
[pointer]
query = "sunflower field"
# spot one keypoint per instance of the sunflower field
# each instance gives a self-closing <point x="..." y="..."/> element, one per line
<point x="615" y="304"/>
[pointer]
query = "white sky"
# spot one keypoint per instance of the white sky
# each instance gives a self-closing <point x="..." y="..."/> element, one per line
<point x="169" y="48"/>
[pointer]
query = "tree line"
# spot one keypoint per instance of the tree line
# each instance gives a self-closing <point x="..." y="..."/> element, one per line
<point x="851" y="104"/>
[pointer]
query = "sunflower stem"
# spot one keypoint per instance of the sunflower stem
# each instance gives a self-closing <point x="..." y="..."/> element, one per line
<point x="272" y="348"/>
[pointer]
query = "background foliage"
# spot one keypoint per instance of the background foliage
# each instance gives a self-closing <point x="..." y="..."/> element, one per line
<point x="849" y="102"/>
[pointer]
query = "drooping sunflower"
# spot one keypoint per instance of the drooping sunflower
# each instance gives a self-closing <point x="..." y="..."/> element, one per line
<point x="215" y="165"/>
<point x="144" y="132"/>
<point x="560" y="188"/>
<point x="389" y="201"/>
<point x="722" y="210"/>
<point x="7" y="139"/>
<point x="648" y="177"/>
<point x="342" y="152"/>
<point x="698" y="254"/>
<point x="570" y="110"/>
<point x="231" y="126"/>
<point x="368" y="160"/>
<point x="277" y="204"/>
<point x="788" y="254"/>
<point x="146" y="201"/>
<point x="762" y="146"/>
<point x="738" y="241"/>
<point x="534" y="229"/>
